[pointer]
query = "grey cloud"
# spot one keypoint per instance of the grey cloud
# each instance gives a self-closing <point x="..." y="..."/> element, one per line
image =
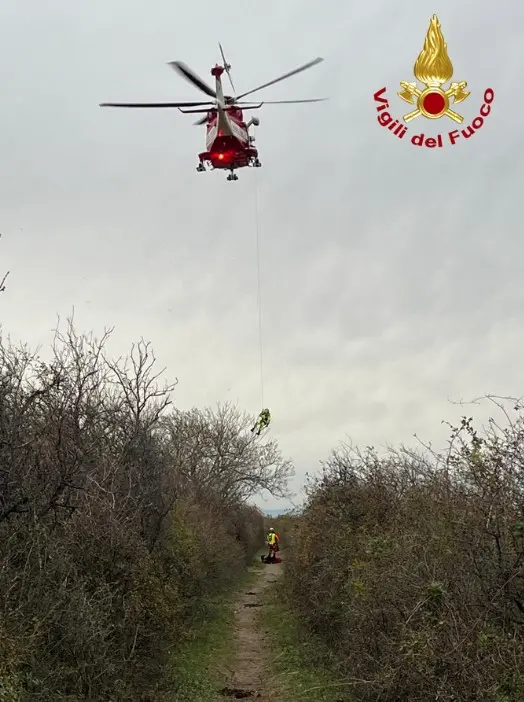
<point x="391" y="276"/>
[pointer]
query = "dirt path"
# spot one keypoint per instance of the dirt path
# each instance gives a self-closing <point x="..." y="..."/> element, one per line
<point x="252" y="655"/>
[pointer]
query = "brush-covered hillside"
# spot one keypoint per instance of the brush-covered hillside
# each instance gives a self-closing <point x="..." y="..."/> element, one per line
<point x="406" y="570"/>
<point x="121" y="519"/>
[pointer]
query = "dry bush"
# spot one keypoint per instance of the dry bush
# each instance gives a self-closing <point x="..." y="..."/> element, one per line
<point x="408" y="568"/>
<point x="3" y="279"/>
<point x="119" y="518"/>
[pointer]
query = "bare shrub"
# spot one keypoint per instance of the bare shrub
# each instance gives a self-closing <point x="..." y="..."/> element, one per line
<point x="408" y="568"/>
<point x="119" y="518"/>
<point x="3" y="279"/>
<point x="217" y="455"/>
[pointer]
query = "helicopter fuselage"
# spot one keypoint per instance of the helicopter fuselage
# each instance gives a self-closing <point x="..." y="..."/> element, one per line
<point x="228" y="142"/>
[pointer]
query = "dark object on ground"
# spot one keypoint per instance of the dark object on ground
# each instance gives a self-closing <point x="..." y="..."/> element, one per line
<point x="239" y="694"/>
<point x="270" y="559"/>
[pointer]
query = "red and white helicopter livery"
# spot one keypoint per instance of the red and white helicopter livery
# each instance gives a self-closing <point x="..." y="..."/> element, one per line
<point x="229" y="145"/>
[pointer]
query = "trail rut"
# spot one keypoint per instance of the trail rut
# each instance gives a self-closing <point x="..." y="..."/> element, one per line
<point x="252" y="659"/>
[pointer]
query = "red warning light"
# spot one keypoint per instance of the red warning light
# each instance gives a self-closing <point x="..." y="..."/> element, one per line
<point x="220" y="157"/>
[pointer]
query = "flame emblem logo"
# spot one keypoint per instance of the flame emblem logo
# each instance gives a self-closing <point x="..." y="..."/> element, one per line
<point x="433" y="68"/>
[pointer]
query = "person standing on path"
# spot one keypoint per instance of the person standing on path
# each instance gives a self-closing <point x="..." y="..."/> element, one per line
<point x="273" y="541"/>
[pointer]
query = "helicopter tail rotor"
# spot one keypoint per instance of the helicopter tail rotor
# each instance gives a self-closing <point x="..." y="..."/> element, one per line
<point x="227" y="67"/>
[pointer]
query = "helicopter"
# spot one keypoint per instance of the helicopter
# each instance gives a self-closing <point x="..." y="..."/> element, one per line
<point x="229" y="144"/>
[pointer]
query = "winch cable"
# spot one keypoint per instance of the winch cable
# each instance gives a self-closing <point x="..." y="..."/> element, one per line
<point x="259" y="294"/>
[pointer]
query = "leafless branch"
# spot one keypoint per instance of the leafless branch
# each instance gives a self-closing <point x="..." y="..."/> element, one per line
<point x="2" y="282"/>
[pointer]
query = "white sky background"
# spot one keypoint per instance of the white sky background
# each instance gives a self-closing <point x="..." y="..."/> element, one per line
<point x="392" y="276"/>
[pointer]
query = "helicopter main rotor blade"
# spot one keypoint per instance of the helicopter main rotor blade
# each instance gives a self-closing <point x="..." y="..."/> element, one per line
<point x="207" y="110"/>
<point x="227" y="67"/>
<point x="286" y="75"/>
<point x="192" y="77"/>
<point x="285" y="102"/>
<point x="154" y="104"/>
<point x="203" y="119"/>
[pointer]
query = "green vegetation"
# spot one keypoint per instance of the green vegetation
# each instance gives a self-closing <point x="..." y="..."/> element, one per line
<point x="408" y="567"/>
<point x="297" y="669"/>
<point x="204" y="655"/>
<point x="125" y="530"/>
<point x="123" y="522"/>
<point x="207" y="651"/>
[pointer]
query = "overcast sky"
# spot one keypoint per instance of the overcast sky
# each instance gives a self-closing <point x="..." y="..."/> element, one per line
<point x="392" y="276"/>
